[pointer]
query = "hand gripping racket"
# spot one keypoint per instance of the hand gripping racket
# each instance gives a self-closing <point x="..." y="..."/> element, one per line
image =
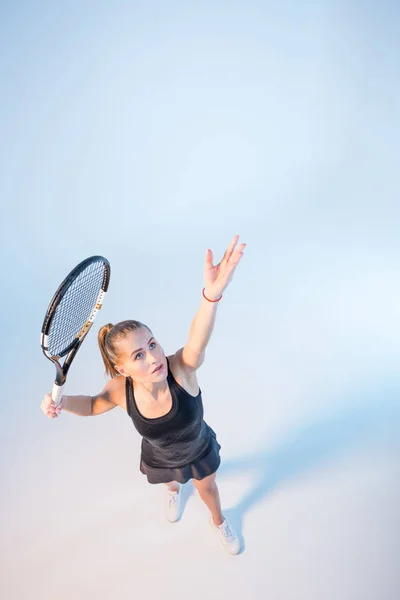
<point x="71" y="313"/>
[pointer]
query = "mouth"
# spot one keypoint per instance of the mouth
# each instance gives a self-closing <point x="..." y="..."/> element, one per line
<point x="160" y="368"/>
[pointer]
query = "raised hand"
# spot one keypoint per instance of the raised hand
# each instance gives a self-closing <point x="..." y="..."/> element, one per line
<point x="217" y="277"/>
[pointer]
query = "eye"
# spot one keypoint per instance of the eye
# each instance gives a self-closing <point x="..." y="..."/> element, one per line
<point x="139" y="353"/>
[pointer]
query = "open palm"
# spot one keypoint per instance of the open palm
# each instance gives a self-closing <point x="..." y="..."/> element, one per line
<point x="217" y="277"/>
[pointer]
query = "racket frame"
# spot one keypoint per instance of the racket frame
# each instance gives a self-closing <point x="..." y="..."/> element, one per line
<point x="71" y="350"/>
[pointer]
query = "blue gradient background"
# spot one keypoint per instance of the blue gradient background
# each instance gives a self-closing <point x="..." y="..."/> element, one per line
<point x="149" y="132"/>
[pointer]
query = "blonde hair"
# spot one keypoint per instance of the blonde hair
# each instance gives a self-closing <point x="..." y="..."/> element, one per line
<point x="108" y="336"/>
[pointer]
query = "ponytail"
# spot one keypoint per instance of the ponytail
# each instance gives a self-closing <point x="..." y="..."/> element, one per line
<point x="108" y="336"/>
<point x="101" y="337"/>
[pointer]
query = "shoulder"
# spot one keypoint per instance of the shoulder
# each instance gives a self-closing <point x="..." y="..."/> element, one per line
<point x="115" y="383"/>
<point x="186" y="376"/>
<point x="189" y="359"/>
<point x="114" y="391"/>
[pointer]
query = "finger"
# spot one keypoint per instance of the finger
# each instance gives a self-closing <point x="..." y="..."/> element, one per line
<point x="232" y="244"/>
<point x="234" y="258"/>
<point x="209" y="259"/>
<point x="48" y="408"/>
<point x="229" y="250"/>
<point x="233" y="263"/>
<point x="239" y="252"/>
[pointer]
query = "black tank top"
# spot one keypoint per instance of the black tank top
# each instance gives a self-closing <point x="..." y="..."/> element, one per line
<point x="177" y="438"/>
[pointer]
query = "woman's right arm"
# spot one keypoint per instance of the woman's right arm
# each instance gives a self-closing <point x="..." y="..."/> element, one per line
<point x="85" y="406"/>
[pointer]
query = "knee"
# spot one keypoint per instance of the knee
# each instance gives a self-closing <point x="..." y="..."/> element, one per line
<point x="209" y="488"/>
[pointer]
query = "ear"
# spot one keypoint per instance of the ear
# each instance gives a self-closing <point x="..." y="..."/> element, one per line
<point x="120" y="370"/>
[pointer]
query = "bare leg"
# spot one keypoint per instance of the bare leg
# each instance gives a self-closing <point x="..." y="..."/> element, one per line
<point x="208" y="491"/>
<point x="173" y="486"/>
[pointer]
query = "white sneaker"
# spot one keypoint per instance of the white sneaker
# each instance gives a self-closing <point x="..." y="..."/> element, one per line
<point x="173" y="504"/>
<point x="227" y="535"/>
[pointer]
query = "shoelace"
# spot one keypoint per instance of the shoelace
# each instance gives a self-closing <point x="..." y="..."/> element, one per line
<point x="172" y="498"/>
<point x="226" y="532"/>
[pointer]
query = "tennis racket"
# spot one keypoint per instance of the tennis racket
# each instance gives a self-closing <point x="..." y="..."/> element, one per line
<point x="71" y="314"/>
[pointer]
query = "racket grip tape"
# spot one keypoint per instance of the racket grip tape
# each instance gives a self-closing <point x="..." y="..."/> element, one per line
<point x="56" y="393"/>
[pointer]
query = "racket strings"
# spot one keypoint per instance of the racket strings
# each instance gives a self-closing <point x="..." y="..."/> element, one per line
<point x="75" y="308"/>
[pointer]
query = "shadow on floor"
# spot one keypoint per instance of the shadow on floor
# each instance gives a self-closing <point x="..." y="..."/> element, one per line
<point x="321" y="442"/>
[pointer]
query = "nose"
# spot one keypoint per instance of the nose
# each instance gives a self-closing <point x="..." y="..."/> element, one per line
<point x="153" y="361"/>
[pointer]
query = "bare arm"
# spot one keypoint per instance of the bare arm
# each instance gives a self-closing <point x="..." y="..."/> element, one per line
<point x="192" y="355"/>
<point x="216" y="279"/>
<point x="77" y="405"/>
<point x="88" y="406"/>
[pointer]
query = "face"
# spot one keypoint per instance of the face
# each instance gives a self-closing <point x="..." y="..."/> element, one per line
<point x="139" y="354"/>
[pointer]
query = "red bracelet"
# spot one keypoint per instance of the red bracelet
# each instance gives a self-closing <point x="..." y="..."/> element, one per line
<point x="211" y="300"/>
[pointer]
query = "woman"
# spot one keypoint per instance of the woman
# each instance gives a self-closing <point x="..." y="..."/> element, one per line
<point x="162" y="396"/>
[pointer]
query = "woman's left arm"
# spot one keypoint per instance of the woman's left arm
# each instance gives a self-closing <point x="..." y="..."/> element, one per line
<point x="216" y="280"/>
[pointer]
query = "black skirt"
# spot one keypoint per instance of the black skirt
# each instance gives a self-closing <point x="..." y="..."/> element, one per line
<point x="202" y="467"/>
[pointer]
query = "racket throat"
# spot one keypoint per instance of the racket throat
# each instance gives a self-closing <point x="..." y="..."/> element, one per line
<point x="60" y="375"/>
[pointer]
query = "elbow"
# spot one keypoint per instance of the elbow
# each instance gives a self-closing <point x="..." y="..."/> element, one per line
<point x="100" y="405"/>
<point x="192" y="358"/>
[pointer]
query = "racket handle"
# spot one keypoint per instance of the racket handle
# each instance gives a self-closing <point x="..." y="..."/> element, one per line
<point x="56" y="393"/>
